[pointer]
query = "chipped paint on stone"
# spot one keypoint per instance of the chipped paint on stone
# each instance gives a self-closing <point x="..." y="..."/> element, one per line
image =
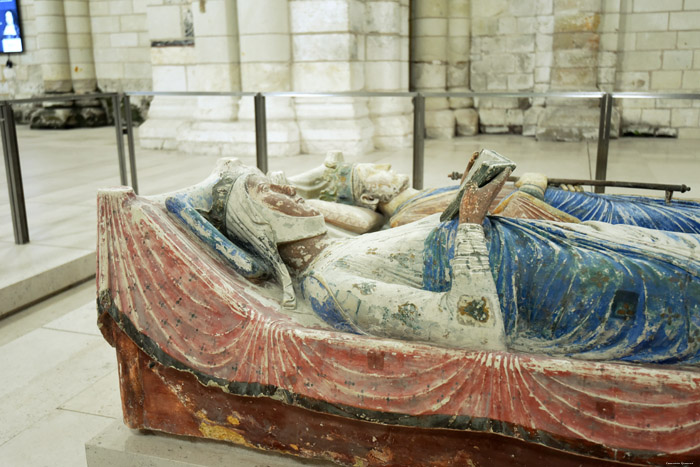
<point x="190" y="311"/>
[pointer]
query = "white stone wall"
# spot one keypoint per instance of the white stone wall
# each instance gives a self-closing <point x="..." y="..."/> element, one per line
<point x="78" y="46"/>
<point x="79" y="43"/>
<point x="357" y="45"/>
<point x="328" y="54"/>
<point x="53" y="46"/>
<point x="121" y="46"/>
<point x="506" y="38"/>
<point x="660" y="51"/>
<point x="173" y="68"/>
<point x="386" y="69"/>
<point x="24" y="78"/>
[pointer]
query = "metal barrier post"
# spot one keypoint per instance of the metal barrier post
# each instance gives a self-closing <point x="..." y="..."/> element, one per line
<point x="418" y="140"/>
<point x="260" y="132"/>
<point x="601" y="165"/>
<point x="130" y="143"/>
<point x="116" y="103"/>
<point x="13" y="173"/>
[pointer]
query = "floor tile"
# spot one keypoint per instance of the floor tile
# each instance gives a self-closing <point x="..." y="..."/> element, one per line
<point x="81" y="320"/>
<point x="29" y="319"/>
<point x="43" y="370"/>
<point x="101" y="398"/>
<point x="57" y="440"/>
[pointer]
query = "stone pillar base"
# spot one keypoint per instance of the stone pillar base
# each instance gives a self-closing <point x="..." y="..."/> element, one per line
<point x="60" y="117"/>
<point x="467" y="122"/>
<point x="573" y="124"/>
<point x="237" y="139"/>
<point x="440" y="124"/>
<point x="157" y="133"/>
<point x="167" y="116"/>
<point x="393" y="131"/>
<point x="352" y="137"/>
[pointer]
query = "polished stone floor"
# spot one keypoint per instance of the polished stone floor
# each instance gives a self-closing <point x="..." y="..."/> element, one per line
<point x="59" y="377"/>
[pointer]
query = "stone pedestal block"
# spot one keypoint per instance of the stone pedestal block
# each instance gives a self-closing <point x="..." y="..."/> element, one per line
<point x="573" y="124"/>
<point x="166" y="116"/>
<point x="649" y="130"/>
<point x="91" y="117"/>
<point x="530" y="119"/>
<point x="440" y="124"/>
<point x="59" y="118"/>
<point x="352" y="137"/>
<point x="467" y="122"/>
<point x="460" y="102"/>
<point x="237" y="138"/>
<point x="160" y="133"/>
<point x="393" y="131"/>
<point x="492" y="121"/>
<point x="53" y="119"/>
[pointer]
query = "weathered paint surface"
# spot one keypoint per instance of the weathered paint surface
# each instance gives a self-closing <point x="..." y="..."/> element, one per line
<point x="164" y="399"/>
<point x="594" y="291"/>
<point x="189" y="311"/>
<point x="652" y="213"/>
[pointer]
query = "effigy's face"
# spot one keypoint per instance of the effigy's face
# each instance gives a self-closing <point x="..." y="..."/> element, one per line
<point x="280" y="198"/>
<point x="378" y="182"/>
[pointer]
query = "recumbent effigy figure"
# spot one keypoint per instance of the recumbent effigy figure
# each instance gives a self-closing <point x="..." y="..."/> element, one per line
<point x="591" y="290"/>
<point x="376" y="187"/>
<point x="237" y="316"/>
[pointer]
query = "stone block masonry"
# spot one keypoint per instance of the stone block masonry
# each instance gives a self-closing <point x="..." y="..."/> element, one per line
<point x="366" y="45"/>
<point x="661" y="40"/>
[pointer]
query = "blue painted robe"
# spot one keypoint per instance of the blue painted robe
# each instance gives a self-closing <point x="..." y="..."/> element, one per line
<point x="565" y="292"/>
<point x="652" y="213"/>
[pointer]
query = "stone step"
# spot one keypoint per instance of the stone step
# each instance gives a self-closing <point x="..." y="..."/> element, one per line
<point x="41" y="271"/>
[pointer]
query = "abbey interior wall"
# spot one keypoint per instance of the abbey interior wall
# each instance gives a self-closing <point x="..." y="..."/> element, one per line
<point x="364" y="45"/>
<point x="661" y="52"/>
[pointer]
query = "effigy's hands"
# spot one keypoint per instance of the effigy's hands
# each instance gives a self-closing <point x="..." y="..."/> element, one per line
<point x="475" y="202"/>
<point x="533" y="183"/>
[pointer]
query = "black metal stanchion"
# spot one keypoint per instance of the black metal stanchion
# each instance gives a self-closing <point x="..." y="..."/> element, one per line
<point x="260" y="132"/>
<point x="418" y="140"/>
<point x="14" y="174"/>
<point x="116" y="103"/>
<point x="601" y="165"/>
<point x="130" y="143"/>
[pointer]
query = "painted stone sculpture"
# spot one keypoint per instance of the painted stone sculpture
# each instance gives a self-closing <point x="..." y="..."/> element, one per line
<point x="476" y="339"/>
<point x="530" y="197"/>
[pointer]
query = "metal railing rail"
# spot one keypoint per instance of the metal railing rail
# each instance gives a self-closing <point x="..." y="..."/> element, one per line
<point x="10" y="149"/>
<point x="418" y="99"/>
<point x="11" y="153"/>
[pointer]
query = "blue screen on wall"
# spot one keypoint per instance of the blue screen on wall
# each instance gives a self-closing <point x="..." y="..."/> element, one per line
<point x="11" y="39"/>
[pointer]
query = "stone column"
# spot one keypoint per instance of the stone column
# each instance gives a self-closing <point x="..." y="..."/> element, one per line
<point x="429" y="64"/>
<point x="543" y="64"/>
<point x="216" y="50"/>
<point x="53" y="46"/>
<point x="79" y="42"/>
<point x="265" y="54"/>
<point x="576" y="50"/>
<point x="458" y="50"/>
<point x="172" y="63"/>
<point x="214" y="129"/>
<point x="329" y="53"/>
<point x="386" y="69"/>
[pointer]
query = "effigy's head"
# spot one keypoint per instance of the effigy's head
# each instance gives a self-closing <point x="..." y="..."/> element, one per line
<point x="261" y="215"/>
<point x="377" y="183"/>
<point x="364" y="185"/>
